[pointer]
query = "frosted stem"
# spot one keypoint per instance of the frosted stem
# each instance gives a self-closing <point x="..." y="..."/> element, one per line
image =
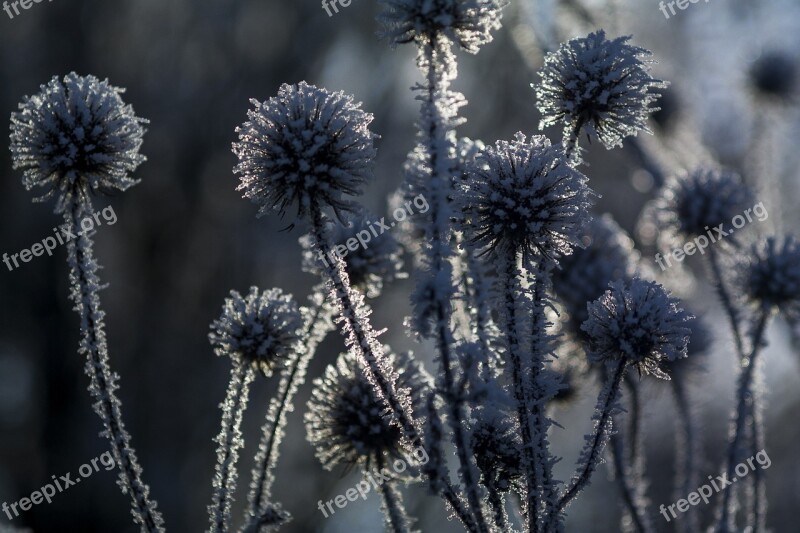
<point x="744" y="395"/>
<point x="85" y="285"/>
<point x="687" y="452"/>
<point x="396" y="517"/>
<point x="229" y="442"/>
<point x="318" y="324"/>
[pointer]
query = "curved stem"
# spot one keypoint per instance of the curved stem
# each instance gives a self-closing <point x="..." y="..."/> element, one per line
<point x="84" y="293"/>
<point x="744" y="396"/>
<point x="318" y="324"/>
<point x="726" y="300"/>
<point x="636" y="512"/>
<point x="595" y="443"/>
<point x="363" y="338"/>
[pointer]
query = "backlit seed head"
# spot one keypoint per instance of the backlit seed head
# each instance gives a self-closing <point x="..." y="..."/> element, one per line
<point x="76" y="137"/>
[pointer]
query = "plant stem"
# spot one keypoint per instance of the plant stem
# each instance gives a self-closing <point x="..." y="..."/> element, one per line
<point x="687" y="450"/>
<point x="727" y="301"/>
<point x="744" y="396"/>
<point x="318" y="324"/>
<point x="593" y="449"/>
<point x="229" y="442"/>
<point x="396" y="516"/>
<point x="103" y="386"/>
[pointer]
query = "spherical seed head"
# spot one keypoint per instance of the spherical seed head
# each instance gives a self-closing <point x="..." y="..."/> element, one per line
<point x="640" y="322"/>
<point x="468" y="23"/>
<point x="691" y="205"/>
<point x="369" y="265"/>
<point x="770" y="278"/>
<point x="261" y="329"/>
<point x="600" y="84"/>
<point x="306" y="147"/>
<point x="496" y="446"/>
<point x="607" y="255"/>
<point x="346" y="422"/>
<point x="523" y="196"/>
<point x="75" y="137"/>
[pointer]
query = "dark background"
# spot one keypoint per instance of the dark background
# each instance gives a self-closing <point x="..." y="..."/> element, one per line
<point x="184" y="237"/>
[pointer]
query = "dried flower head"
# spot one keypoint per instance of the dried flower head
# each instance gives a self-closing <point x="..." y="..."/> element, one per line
<point x="468" y="23"/>
<point x="770" y="279"/>
<point x="599" y="84"/>
<point x="374" y="256"/>
<point x="639" y="322"/>
<point x="497" y="448"/>
<point x="691" y="205"/>
<point x="75" y="137"/>
<point x="346" y="422"/>
<point x="306" y="147"/>
<point x="261" y="329"/>
<point x="607" y="255"/>
<point x="523" y="196"/>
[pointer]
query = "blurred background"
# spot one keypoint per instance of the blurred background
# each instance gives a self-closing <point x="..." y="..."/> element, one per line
<point x="184" y="238"/>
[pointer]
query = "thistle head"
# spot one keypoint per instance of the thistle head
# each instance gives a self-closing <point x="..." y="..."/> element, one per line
<point x="599" y="84"/>
<point x="468" y="23"/>
<point x="373" y="257"/>
<point x="607" y="254"/>
<point x="638" y="322"/>
<point x="75" y="137"/>
<point x="307" y="148"/>
<point x="691" y="205"/>
<point x="347" y="423"/>
<point x="497" y="448"/>
<point x="770" y="278"/>
<point x="261" y="329"/>
<point x="523" y="197"/>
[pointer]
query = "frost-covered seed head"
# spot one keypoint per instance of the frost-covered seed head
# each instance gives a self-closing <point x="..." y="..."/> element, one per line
<point x="368" y="266"/>
<point x="639" y="322"/>
<point x="261" y="329"/>
<point x="468" y="23"/>
<point x="599" y="84"/>
<point x="346" y="422"/>
<point x="306" y="147"/>
<point x="607" y="255"/>
<point x="497" y="448"/>
<point x="523" y="196"/>
<point x="75" y="137"/>
<point x="770" y="278"/>
<point x="691" y="205"/>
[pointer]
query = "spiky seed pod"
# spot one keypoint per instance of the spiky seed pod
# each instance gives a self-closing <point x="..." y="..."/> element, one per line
<point x="306" y="147"/>
<point x="598" y="84"/>
<point x="692" y="204"/>
<point x="496" y="446"/>
<point x="770" y="278"/>
<point x="260" y="329"/>
<point x="374" y="256"/>
<point x="345" y="421"/>
<point x="468" y="23"/>
<point x="638" y="322"/>
<point x="75" y="137"/>
<point x="607" y="255"/>
<point x="523" y="196"/>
